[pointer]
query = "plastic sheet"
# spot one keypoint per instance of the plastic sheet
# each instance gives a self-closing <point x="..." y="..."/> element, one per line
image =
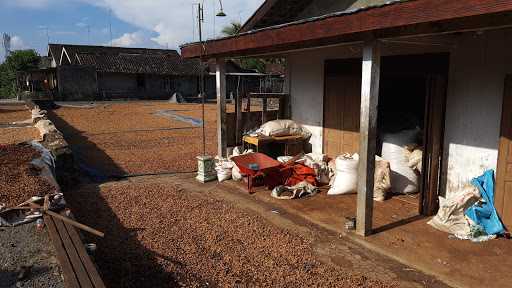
<point x="483" y="213"/>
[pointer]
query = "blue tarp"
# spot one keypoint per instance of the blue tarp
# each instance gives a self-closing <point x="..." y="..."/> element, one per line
<point x="484" y="213"/>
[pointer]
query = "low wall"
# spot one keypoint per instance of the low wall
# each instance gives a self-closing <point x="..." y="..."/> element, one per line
<point x="53" y="140"/>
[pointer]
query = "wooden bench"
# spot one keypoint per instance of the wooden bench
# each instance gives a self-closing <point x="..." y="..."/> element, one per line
<point x="77" y="266"/>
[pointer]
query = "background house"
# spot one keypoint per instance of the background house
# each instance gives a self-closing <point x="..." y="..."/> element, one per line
<point x="86" y="73"/>
<point x="104" y="73"/>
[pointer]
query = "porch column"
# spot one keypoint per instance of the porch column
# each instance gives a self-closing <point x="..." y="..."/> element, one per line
<point x="287" y="87"/>
<point x="368" y="135"/>
<point x="220" y="76"/>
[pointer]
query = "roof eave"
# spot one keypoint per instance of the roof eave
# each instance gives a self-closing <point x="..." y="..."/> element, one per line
<point x="345" y="26"/>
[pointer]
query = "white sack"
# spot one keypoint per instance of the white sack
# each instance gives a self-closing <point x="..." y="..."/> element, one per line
<point x="382" y="179"/>
<point x="280" y="128"/>
<point x="403" y="178"/>
<point x="224" y="169"/>
<point x="450" y="217"/>
<point x="345" y="180"/>
<point x="235" y="172"/>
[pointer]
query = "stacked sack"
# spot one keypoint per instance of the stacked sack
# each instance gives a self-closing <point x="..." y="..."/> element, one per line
<point x="404" y="179"/>
<point x="345" y="177"/>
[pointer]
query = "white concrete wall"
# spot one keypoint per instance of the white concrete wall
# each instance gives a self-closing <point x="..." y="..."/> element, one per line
<point x="478" y="66"/>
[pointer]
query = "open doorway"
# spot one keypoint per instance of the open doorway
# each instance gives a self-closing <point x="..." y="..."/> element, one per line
<point x="410" y="120"/>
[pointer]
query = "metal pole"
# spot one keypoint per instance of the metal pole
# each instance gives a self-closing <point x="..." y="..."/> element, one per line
<point x="201" y="73"/>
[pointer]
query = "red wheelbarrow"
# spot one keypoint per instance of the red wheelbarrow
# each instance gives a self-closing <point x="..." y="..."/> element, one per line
<point x="253" y="165"/>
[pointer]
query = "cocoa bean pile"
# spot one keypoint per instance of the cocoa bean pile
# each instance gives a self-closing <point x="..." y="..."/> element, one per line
<point x="9" y="114"/>
<point x="20" y="180"/>
<point x="159" y="235"/>
<point x="128" y="138"/>
<point x="18" y="135"/>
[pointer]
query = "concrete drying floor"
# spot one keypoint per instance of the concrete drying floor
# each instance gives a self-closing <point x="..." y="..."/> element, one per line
<point x="401" y="234"/>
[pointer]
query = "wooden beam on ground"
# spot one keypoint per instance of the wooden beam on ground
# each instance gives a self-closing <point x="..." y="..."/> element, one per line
<point x="220" y="76"/>
<point x="368" y="136"/>
<point x="70" y="279"/>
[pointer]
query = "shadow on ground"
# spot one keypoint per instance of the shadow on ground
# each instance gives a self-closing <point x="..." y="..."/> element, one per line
<point x="123" y="261"/>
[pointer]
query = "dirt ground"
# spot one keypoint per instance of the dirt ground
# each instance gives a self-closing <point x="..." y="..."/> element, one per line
<point x="26" y="246"/>
<point x="162" y="232"/>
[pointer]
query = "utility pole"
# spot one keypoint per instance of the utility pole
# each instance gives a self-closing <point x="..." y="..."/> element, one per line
<point x="88" y="34"/>
<point x="110" y="25"/>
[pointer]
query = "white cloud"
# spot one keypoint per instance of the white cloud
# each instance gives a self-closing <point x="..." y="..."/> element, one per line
<point x="172" y="21"/>
<point x="129" y="40"/>
<point x="17" y="43"/>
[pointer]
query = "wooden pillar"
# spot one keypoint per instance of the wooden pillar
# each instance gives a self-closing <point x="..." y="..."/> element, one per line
<point x="220" y="76"/>
<point x="287" y="86"/>
<point x="368" y="135"/>
<point x="238" y="113"/>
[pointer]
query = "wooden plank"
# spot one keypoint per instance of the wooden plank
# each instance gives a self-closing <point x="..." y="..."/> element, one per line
<point x="220" y="76"/>
<point x="434" y="132"/>
<point x="267" y="95"/>
<point x="86" y="259"/>
<point x="368" y="136"/>
<point x="76" y="263"/>
<point x="503" y="196"/>
<point x="331" y="30"/>
<point x="70" y="279"/>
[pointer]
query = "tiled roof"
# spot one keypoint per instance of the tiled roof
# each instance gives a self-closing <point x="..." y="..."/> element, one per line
<point x="128" y="60"/>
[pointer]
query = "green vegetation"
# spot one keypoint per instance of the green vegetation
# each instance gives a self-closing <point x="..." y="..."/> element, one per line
<point x="21" y="60"/>
<point x="257" y="64"/>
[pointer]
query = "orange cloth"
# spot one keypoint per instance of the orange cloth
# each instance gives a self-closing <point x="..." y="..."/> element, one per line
<point x="290" y="175"/>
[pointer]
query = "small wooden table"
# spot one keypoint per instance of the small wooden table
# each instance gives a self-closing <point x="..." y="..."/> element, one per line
<point x="287" y="141"/>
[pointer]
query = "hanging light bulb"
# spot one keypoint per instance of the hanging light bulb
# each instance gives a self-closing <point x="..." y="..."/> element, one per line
<point x="221" y="12"/>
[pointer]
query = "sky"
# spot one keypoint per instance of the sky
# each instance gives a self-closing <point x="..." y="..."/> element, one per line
<point x="135" y="23"/>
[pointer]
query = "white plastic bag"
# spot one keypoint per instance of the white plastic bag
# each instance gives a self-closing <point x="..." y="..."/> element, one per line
<point x="403" y="178"/>
<point x="345" y="180"/>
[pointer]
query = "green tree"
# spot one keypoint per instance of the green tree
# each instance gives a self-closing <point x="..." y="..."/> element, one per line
<point x="232" y="29"/>
<point x="21" y="60"/>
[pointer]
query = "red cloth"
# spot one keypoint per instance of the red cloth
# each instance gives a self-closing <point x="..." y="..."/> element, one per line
<point x="290" y="175"/>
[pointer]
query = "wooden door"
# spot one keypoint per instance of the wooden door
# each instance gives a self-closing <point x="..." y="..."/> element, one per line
<point x="503" y="195"/>
<point x="342" y="102"/>
<point x="435" y="106"/>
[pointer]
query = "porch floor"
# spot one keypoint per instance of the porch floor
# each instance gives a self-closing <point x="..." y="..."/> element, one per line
<point x="402" y="234"/>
